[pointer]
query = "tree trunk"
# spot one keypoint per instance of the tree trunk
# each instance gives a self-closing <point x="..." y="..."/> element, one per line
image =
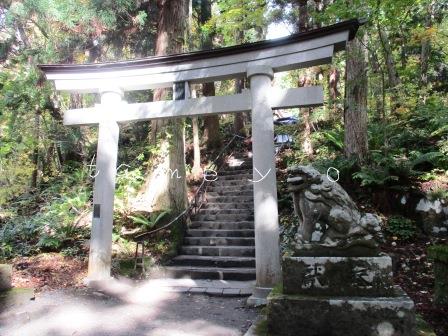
<point x="212" y="135"/>
<point x="378" y="88"/>
<point x="303" y="23"/>
<point x="35" y="174"/>
<point x="238" y="121"/>
<point x="426" y="48"/>
<point x="394" y="80"/>
<point x="196" y="170"/>
<point x="305" y="80"/>
<point x="165" y="187"/>
<point x="355" y="112"/>
<point x="171" y="30"/>
<point x="333" y="82"/>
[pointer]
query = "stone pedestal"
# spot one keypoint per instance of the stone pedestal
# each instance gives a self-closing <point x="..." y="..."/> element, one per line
<point x="292" y="315"/>
<point x="5" y="276"/>
<point x="340" y="276"/>
<point x="339" y="296"/>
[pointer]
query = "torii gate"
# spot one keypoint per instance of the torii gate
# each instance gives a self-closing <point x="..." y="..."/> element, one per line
<point x="258" y="61"/>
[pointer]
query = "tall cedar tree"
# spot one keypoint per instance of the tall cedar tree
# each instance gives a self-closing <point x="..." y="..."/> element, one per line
<point x="171" y="191"/>
<point x="305" y="80"/>
<point x="212" y="134"/>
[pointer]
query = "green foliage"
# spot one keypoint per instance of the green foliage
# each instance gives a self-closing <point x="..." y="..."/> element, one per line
<point x="52" y="225"/>
<point x="128" y="183"/>
<point x="336" y="138"/>
<point x="374" y="176"/>
<point x="438" y="194"/>
<point x="151" y="222"/>
<point x="400" y="227"/>
<point x="235" y="16"/>
<point x="288" y="229"/>
<point x="438" y="253"/>
<point x="387" y="170"/>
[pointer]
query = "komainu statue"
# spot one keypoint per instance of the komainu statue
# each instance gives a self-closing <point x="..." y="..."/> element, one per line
<point x="329" y="220"/>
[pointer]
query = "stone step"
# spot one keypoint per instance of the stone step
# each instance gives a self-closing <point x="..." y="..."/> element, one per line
<point x="231" y="188"/>
<point x="220" y="233"/>
<point x="233" y="177"/>
<point x="233" y="172"/>
<point x="206" y="211"/>
<point x="229" y="205"/>
<point x="193" y="260"/>
<point x="224" y="217"/>
<point x="219" y="241"/>
<point x="222" y="225"/>
<point x="231" y="199"/>
<point x="234" y="192"/>
<point x="214" y="273"/>
<point x="228" y="183"/>
<point x="243" y="166"/>
<point x="223" y="251"/>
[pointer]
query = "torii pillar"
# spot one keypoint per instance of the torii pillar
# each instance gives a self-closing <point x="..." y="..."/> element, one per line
<point x="267" y="250"/>
<point x="104" y="189"/>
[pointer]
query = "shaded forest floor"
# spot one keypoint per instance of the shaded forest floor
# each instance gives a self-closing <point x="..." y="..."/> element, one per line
<point x="49" y="271"/>
<point x="413" y="271"/>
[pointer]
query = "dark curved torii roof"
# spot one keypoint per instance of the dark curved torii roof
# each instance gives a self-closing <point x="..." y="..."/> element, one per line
<point x="349" y="25"/>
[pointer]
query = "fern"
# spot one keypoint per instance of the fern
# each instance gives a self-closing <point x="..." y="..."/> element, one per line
<point x="335" y="138"/>
<point x="430" y="157"/>
<point x="150" y="222"/>
<point x="374" y="177"/>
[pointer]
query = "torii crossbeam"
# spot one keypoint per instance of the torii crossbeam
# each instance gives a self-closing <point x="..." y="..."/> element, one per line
<point x="256" y="61"/>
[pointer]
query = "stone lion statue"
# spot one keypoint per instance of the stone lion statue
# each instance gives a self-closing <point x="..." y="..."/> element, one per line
<point x="329" y="220"/>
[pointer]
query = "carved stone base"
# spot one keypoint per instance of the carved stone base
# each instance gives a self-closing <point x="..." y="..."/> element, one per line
<point x="292" y="315"/>
<point x="338" y="276"/>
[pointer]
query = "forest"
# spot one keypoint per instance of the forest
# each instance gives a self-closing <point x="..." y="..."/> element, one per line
<point x="383" y="126"/>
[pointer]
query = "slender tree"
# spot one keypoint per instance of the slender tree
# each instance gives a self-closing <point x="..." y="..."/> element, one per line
<point x="305" y="80"/>
<point x="238" y="121"/>
<point x="212" y="135"/>
<point x="355" y="111"/>
<point x="196" y="170"/>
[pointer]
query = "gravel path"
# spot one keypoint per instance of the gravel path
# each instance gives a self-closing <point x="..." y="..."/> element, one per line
<point x="83" y="312"/>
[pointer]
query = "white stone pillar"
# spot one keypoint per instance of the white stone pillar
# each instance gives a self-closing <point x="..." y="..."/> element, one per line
<point x="104" y="189"/>
<point x="267" y="249"/>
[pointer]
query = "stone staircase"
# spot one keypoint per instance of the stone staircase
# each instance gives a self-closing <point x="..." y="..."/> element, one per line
<point x="219" y="243"/>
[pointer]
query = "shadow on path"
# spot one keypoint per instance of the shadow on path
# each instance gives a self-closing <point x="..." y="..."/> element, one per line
<point x="127" y="308"/>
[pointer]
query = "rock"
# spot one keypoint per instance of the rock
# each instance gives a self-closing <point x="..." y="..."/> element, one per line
<point x="434" y="216"/>
<point x="5" y="276"/>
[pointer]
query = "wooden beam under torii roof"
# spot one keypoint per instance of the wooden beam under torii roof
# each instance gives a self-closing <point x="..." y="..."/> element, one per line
<point x="256" y="61"/>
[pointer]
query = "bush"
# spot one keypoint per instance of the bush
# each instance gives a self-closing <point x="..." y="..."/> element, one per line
<point x="400" y="227"/>
<point x="439" y="253"/>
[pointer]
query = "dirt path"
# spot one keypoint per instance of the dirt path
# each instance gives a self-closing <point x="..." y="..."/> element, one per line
<point x="83" y="312"/>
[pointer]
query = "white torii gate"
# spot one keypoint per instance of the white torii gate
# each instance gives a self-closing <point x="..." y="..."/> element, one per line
<point x="258" y="61"/>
